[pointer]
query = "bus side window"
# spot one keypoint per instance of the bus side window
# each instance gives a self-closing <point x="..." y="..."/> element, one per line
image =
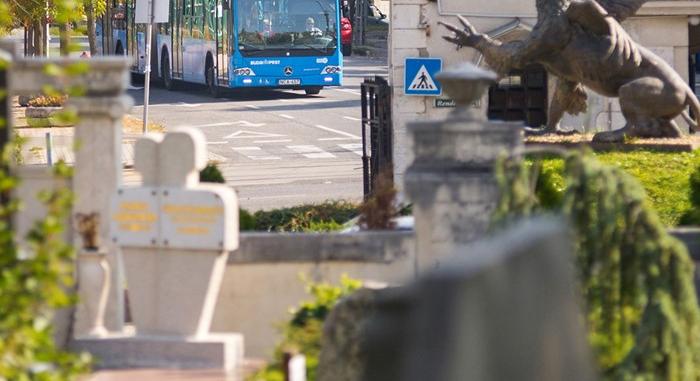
<point x="187" y="15"/>
<point x="197" y="19"/>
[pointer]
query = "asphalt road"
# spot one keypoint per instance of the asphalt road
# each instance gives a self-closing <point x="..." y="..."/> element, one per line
<point x="277" y="148"/>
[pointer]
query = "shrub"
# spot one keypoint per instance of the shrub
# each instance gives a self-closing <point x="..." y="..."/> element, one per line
<point x="306" y="218"/>
<point x="692" y="216"/>
<point x="664" y="176"/>
<point x="211" y="174"/>
<point x="246" y="221"/>
<point x="302" y="333"/>
<point x="636" y="280"/>
<point x="379" y="210"/>
<point x="31" y="288"/>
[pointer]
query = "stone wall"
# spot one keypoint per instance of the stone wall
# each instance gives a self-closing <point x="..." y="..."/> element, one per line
<point x="662" y="26"/>
<point x="262" y="280"/>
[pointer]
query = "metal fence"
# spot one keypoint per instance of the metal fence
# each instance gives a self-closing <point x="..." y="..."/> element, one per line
<point x="377" y="149"/>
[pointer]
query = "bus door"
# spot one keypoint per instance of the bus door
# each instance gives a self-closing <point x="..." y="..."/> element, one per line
<point x="223" y="43"/>
<point x="177" y="25"/>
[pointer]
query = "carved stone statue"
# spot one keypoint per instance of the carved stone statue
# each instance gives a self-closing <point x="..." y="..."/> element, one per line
<point x="583" y="44"/>
<point x="87" y="225"/>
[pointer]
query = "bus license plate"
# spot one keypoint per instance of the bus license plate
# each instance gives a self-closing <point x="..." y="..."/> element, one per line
<point x="289" y="82"/>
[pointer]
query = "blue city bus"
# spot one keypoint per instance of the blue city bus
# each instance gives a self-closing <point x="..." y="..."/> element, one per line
<point x="284" y="44"/>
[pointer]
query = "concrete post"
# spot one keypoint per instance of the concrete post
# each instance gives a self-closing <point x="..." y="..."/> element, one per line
<point x="450" y="181"/>
<point x="98" y="164"/>
<point x="98" y="170"/>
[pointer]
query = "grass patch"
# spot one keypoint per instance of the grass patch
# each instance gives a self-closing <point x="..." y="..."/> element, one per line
<point x="665" y="177"/>
<point x="134" y="125"/>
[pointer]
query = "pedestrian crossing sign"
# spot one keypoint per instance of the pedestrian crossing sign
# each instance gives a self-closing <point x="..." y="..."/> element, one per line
<point x="419" y="77"/>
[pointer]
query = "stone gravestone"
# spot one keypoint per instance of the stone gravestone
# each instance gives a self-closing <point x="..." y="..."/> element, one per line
<point x="175" y="235"/>
<point x="507" y="311"/>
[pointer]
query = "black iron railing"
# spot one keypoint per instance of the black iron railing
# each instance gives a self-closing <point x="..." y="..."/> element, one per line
<point x="377" y="149"/>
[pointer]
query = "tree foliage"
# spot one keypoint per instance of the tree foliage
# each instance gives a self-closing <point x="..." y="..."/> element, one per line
<point x="33" y="284"/>
<point x="636" y="280"/>
<point x="35" y="279"/>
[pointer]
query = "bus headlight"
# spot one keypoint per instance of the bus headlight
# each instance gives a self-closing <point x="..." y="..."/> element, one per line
<point x="244" y="71"/>
<point x="331" y="70"/>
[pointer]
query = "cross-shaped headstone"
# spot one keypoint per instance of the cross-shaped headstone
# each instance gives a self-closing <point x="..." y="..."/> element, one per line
<point x="175" y="234"/>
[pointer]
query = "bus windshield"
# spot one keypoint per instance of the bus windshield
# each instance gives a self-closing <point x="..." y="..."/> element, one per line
<point x="278" y="27"/>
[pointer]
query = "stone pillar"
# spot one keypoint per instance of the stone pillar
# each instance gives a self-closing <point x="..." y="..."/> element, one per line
<point x="450" y="181"/>
<point x="98" y="170"/>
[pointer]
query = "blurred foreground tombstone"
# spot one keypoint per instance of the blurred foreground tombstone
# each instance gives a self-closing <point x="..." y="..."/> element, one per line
<point x="451" y="181"/>
<point x="506" y="311"/>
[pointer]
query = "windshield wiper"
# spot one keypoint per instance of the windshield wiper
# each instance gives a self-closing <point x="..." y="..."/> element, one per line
<point x="251" y="50"/>
<point x="313" y="47"/>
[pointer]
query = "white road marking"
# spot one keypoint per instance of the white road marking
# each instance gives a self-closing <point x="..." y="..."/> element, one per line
<point x="312" y="152"/>
<point x="349" y="91"/>
<point x="242" y="134"/>
<point x="183" y="104"/>
<point x="330" y="139"/>
<point x="251" y="153"/>
<point x="254" y="107"/>
<point x="285" y="116"/>
<point x="217" y="143"/>
<point x="272" y="141"/>
<point x="244" y="123"/>
<point x="352" y="118"/>
<point x="322" y="127"/>
<point x="356" y="148"/>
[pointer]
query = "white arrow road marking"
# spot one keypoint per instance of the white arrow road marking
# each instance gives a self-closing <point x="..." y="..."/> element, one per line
<point x="254" y="153"/>
<point x="319" y="126"/>
<point x="312" y="152"/>
<point x="242" y="134"/>
<point x="272" y="141"/>
<point x="243" y="123"/>
<point x="356" y="148"/>
<point x="221" y="124"/>
<point x="328" y="139"/>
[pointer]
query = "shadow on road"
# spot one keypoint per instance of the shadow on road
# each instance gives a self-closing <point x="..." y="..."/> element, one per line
<point x="197" y="94"/>
<point x="309" y="106"/>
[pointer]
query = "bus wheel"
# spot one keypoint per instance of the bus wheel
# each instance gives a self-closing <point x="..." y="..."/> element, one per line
<point x="212" y="86"/>
<point x="165" y="72"/>
<point x="313" y="90"/>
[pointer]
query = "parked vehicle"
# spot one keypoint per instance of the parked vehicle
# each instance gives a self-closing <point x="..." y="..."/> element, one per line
<point x="346" y="36"/>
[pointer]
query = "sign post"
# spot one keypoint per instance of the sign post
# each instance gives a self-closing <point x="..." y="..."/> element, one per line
<point x="149" y="12"/>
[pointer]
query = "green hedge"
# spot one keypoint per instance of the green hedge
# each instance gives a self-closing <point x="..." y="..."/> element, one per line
<point x="665" y="177"/>
<point x="327" y="216"/>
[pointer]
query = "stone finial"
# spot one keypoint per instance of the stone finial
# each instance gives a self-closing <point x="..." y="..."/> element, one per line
<point x="173" y="160"/>
<point x="466" y="84"/>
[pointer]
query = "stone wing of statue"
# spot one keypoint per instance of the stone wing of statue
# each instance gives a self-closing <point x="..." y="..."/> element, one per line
<point x="621" y="9"/>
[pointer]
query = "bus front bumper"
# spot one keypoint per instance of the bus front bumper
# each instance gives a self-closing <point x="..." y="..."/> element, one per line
<point x="287" y="82"/>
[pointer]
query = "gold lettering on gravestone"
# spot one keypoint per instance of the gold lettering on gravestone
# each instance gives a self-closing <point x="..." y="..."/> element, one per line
<point x="193" y="219"/>
<point x="135" y="216"/>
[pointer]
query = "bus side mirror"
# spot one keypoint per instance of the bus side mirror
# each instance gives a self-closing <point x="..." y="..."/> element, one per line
<point x="225" y="5"/>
